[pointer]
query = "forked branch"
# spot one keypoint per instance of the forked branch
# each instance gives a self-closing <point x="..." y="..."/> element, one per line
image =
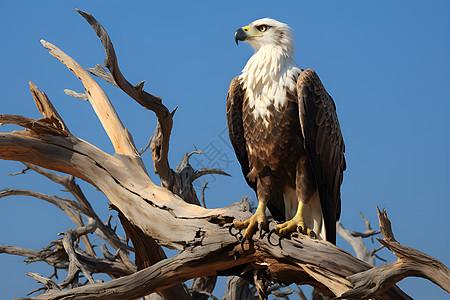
<point x="160" y="142"/>
<point x="410" y="262"/>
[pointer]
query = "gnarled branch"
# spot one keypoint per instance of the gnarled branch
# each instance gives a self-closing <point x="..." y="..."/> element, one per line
<point x="410" y="262"/>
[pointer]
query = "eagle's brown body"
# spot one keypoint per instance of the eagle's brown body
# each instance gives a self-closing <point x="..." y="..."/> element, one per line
<point x="276" y="146"/>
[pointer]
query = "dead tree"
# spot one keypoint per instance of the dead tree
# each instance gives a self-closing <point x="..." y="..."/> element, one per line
<point x="169" y="215"/>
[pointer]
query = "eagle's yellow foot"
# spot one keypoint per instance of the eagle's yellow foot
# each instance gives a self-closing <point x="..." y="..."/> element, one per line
<point x="297" y="223"/>
<point x="258" y="220"/>
<point x="294" y="225"/>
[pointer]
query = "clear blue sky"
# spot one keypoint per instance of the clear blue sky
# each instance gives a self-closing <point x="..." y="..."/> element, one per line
<point x="386" y="64"/>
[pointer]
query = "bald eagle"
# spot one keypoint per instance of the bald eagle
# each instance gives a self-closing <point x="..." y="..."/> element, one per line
<point x="285" y="132"/>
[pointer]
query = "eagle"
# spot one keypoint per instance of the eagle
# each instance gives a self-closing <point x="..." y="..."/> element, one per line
<point x="286" y="135"/>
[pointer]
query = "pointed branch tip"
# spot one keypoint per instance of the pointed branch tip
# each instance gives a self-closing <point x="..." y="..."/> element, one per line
<point x="174" y="111"/>
<point x="140" y="86"/>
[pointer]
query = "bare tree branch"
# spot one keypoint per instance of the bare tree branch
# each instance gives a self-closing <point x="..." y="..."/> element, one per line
<point x="81" y="96"/>
<point x="160" y="143"/>
<point x="68" y="182"/>
<point x="411" y="262"/>
<point x="33" y="255"/>
<point x="47" y="109"/>
<point x="207" y="171"/>
<point x="119" y="136"/>
<point x="142" y="151"/>
<point x="66" y="205"/>
<point x="300" y="294"/>
<point x="24" y="171"/>
<point x="50" y="284"/>
<point x="100" y="72"/>
<point x="204" y="187"/>
<point x="69" y="243"/>
<point x="357" y="244"/>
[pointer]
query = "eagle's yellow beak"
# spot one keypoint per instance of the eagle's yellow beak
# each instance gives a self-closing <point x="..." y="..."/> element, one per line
<point x="243" y="34"/>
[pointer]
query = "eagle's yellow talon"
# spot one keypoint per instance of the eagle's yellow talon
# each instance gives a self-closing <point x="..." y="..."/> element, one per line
<point x="258" y="220"/>
<point x="241" y="225"/>
<point x="285" y="228"/>
<point x="294" y="225"/>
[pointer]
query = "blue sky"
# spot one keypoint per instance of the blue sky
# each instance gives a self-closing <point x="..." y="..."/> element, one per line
<point x="386" y="64"/>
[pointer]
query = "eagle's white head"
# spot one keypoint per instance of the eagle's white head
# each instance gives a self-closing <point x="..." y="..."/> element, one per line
<point x="267" y="33"/>
<point x="271" y="71"/>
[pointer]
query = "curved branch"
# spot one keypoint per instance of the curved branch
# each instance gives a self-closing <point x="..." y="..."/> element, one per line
<point x="411" y="262"/>
<point x="100" y="72"/>
<point x="160" y="142"/>
<point x="207" y="171"/>
<point x="147" y="100"/>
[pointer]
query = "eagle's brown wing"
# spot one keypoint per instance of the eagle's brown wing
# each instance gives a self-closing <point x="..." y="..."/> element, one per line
<point x="324" y="144"/>
<point x="235" y="99"/>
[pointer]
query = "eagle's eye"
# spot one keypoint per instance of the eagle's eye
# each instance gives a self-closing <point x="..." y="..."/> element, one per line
<point x="262" y="28"/>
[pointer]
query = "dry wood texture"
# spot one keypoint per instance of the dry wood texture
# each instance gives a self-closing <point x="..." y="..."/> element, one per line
<point x="155" y="216"/>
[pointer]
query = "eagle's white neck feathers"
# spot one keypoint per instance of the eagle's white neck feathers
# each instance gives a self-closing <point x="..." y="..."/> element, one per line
<point x="271" y="71"/>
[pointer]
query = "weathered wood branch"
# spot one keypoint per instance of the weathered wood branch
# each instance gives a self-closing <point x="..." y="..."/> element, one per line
<point x="68" y="206"/>
<point x="295" y="259"/>
<point x="34" y="255"/>
<point x="177" y="181"/>
<point x="103" y="231"/>
<point x="46" y="108"/>
<point x="355" y="239"/>
<point x="148" y="253"/>
<point x="50" y="284"/>
<point x="160" y="142"/>
<point x="118" y="134"/>
<point x="147" y="206"/>
<point x="69" y="243"/>
<point x="74" y="94"/>
<point x="56" y="256"/>
<point x="410" y="262"/>
<point x="41" y="126"/>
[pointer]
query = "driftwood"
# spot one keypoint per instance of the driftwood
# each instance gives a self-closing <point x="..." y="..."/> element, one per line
<point x="170" y="216"/>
